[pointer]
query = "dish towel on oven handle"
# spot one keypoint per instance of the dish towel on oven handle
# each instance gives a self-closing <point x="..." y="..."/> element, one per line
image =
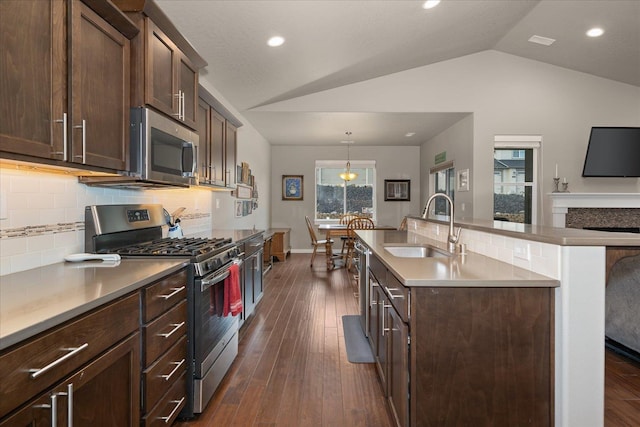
<point x="232" y="295"/>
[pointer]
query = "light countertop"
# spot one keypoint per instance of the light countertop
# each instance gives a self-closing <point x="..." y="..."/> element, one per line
<point x="553" y="235"/>
<point x="470" y="270"/>
<point x="33" y="301"/>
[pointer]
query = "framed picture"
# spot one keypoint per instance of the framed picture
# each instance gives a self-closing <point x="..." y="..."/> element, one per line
<point x="397" y="190"/>
<point x="463" y="180"/>
<point x="238" y="208"/>
<point x="292" y="187"/>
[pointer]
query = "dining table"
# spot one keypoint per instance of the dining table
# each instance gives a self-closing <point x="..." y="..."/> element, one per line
<point x="334" y="231"/>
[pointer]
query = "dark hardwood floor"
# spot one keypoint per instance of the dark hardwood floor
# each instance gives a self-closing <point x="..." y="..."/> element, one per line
<point x="292" y="368"/>
<point x="621" y="391"/>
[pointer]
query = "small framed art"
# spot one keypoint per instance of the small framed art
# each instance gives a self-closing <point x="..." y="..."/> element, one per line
<point x="292" y="188"/>
<point x="397" y="190"/>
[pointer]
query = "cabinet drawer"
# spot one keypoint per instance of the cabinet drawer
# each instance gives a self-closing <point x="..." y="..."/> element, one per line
<point x="62" y="350"/>
<point x="169" y="406"/>
<point x="163" y="295"/>
<point x="378" y="269"/>
<point x="398" y="295"/>
<point x="160" y="376"/>
<point x="163" y="332"/>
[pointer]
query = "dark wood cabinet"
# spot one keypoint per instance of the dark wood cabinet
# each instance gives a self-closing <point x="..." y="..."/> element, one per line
<point x="86" y="369"/>
<point x="218" y="143"/>
<point x="164" y="349"/>
<point x="99" y="133"/>
<point x="65" y="83"/>
<point x="171" y="78"/>
<point x="164" y="65"/>
<point x="211" y="130"/>
<point x="449" y="356"/>
<point x="103" y="393"/>
<point x="230" y="154"/>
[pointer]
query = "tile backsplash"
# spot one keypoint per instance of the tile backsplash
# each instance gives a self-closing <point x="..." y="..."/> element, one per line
<point x="42" y="214"/>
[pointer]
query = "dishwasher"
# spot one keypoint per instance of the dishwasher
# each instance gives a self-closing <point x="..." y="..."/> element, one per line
<point x="362" y="264"/>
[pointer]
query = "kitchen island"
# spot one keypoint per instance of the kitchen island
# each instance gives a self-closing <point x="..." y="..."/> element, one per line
<point x="573" y="258"/>
<point x="458" y="339"/>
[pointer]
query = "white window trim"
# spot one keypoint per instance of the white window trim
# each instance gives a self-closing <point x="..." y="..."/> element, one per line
<point x="337" y="164"/>
<point x="521" y="142"/>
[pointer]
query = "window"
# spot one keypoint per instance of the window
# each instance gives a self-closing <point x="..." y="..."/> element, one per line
<point x="515" y="192"/>
<point x="335" y="197"/>
<point x="443" y="178"/>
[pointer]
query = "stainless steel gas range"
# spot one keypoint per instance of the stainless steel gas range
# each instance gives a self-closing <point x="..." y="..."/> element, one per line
<point x="136" y="231"/>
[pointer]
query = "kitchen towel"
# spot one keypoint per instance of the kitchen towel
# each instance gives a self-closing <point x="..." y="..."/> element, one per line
<point x="232" y="295"/>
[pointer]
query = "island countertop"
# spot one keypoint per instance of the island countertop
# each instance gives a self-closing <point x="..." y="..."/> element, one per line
<point x="553" y="235"/>
<point x="470" y="270"/>
<point x="35" y="300"/>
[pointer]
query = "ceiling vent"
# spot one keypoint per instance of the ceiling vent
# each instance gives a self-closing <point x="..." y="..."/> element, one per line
<point x="546" y="41"/>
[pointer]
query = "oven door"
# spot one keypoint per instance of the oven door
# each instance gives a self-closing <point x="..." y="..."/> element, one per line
<point x="210" y="326"/>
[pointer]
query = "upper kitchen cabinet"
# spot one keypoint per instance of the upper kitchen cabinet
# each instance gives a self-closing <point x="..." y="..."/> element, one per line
<point x="164" y="65"/>
<point x="64" y="83"/>
<point x="218" y="130"/>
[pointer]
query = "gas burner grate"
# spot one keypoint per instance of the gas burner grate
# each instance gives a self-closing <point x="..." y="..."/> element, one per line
<point x="193" y="246"/>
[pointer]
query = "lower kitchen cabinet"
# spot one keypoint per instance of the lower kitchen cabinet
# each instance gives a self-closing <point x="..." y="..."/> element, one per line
<point x="251" y="275"/>
<point x="164" y="351"/>
<point x="86" y="372"/>
<point x="104" y="368"/>
<point x="103" y="393"/>
<point x="452" y="356"/>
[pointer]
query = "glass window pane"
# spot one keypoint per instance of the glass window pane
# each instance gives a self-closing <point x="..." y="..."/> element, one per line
<point x="335" y="197"/>
<point x="510" y="203"/>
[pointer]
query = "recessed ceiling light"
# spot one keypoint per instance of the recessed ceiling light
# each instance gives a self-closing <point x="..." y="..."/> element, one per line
<point x="546" y="41"/>
<point x="275" y="41"/>
<point x="429" y="4"/>
<point x="595" y="32"/>
<point x="409" y="134"/>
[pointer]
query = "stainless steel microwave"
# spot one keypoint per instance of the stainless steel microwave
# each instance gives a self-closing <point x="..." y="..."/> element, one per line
<point x="162" y="150"/>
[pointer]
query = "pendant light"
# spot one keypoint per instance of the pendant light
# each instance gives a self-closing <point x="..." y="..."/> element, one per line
<point x="347" y="175"/>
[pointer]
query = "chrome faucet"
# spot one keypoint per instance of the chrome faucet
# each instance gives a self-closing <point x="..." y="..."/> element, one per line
<point x="453" y="235"/>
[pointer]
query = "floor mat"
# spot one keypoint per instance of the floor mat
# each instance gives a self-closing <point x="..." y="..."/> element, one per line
<point x="358" y="349"/>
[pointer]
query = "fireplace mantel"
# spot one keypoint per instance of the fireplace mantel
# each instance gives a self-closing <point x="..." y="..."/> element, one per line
<point x="561" y="202"/>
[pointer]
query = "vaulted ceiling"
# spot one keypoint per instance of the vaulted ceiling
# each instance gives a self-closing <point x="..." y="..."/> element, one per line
<point x="332" y="43"/>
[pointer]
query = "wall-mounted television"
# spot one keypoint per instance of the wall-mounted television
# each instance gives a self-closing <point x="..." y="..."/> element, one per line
<point x="613" y="152"/>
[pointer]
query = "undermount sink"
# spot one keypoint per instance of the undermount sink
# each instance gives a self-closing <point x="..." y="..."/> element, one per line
<point x="421" y="251"/>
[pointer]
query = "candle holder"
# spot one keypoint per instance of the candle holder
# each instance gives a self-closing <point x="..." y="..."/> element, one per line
<point x="565" y="187"/>
<point x="556" y="182"/>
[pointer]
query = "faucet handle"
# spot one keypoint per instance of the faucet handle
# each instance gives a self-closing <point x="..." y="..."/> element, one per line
<point x="455" y="237"/>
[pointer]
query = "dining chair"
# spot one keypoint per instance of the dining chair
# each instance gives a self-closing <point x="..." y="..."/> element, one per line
<point x="344" y="220"/>
<point x="356" y="224"/>
<point x="317" y="243"/>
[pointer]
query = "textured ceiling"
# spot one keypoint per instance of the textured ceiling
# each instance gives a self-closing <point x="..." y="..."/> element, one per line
<point x="334" y="43"/>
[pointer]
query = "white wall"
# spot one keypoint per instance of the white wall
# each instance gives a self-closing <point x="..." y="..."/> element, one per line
<point x="457" y="142"/>
<point x="391" y="163"/>
<point x="507" y="95"/>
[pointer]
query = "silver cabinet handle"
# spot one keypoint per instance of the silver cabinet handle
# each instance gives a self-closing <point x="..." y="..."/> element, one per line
<point x="35" y="373"/>
<point x="175" y="329"/>
<point x="54" y="410"/>
<point x="182" y="103"/>
<point x="391" y="294"/>
<point x="175" y="291"/>
<point x="83" y="126"/>
<point x="384" y="329"/>
<point x="70" y="405"/>
<point x="64" y="137"/>
<point x="170" y="374"/>
<point x="178" y="403"/>
<point x="180" y="113"/>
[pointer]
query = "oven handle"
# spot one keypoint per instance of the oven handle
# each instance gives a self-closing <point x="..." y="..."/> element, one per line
<point x="218" y="277"/>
